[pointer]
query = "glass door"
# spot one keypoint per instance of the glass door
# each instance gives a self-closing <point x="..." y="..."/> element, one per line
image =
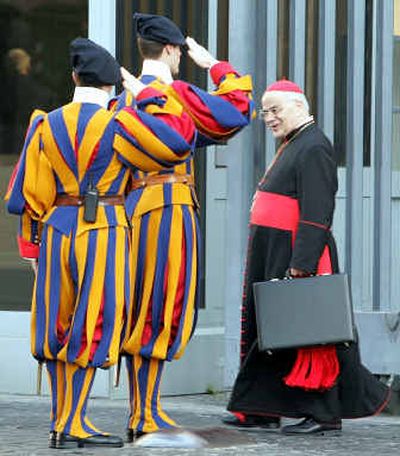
<point x="34" y="73"/>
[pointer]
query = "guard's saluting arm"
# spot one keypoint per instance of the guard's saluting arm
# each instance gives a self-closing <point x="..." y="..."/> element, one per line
<point x="157" y="134"/>
<point x="222" y="113"/>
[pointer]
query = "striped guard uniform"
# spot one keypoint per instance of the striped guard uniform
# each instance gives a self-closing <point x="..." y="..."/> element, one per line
<point x="166" y="243"/>
<point x="82" y="288"/>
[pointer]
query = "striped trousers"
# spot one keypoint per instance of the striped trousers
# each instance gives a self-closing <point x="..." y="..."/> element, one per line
<point x="70" y="386"/>
<point x="144" y="377"/>
<point x="161" y="321"/>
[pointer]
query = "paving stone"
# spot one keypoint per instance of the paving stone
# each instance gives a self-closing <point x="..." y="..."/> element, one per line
<point x="24" y="428"/>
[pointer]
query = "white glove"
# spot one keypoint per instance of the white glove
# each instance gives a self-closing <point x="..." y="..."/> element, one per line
<point x="199" y="54"/>
<point x="131" y="83"/>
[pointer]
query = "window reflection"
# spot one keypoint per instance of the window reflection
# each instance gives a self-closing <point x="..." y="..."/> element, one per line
<point x="34" y="73"/>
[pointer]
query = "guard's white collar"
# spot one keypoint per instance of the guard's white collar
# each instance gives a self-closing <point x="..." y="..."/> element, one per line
<point x="158" y="69"/>
<point x="91" y="95"/>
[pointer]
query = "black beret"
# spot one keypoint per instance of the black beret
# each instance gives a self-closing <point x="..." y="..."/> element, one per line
<point x="158" y="28"/>
<point x="94" y="63"/>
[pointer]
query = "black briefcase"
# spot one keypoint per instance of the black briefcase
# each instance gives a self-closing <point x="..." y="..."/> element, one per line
<point x="304" y="312"/>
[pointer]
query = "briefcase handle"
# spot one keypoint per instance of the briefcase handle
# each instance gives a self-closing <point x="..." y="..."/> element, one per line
<point x="287" y="276"/>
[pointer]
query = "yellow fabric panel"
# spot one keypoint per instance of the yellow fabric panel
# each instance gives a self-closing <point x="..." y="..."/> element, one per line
<point x="70" y="370"/>
<point x="95" y="294"/>
<point x="93" y="133"/>
<point x="92" y="426"/>
<point x="108" y="177"/>
<point x="188" y="325"/>
<point x="171" y="105"/>
<point x="46" y="189"/>
<point x="181" y="168"/>
<point x="70" y="114"/>
<point x="120" y="267"/>
<point x="129" y="98"/>
<point x="81" y="250"/>
<point x="151" y="382"/>
<point x="76" y="426"/>
<point x="153" y="197"/>
<point x="64" y="173"/>
<point x="101" y="219"/>
<point x="76" y="429"/>
<point x="36" y="113"/>
<point x="60" y="388"/>
<point x="231" y="83"/>
<point x="39" y="185"/>
<point x="152" y="410"/>
<point x="134" y="343"/>
<point x="147" y="139"/>
<point x="137" y="364"/>
<point x="135" y="238"/>
<point x="134" y="156"/>
<point x="174" y="264"/>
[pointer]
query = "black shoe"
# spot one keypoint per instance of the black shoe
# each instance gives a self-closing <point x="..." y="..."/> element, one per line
<point x="67" y="441"/>
<point x="133" y="434"/>
<point x="52" y="439"/>
<point x="63" y="440"/>
<point x="266" y="422"/>
<point x="310" y="426"/>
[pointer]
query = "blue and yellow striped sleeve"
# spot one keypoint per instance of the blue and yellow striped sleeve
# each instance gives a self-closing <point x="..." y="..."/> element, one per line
<point x="31" y="188"/>
<point x="157" y="135"/>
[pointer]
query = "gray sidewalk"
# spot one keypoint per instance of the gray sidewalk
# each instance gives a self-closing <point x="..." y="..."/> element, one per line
<point x="24" y="425"/>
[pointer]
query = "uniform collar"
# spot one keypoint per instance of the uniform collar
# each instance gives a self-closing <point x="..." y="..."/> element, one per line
<point x="91" y="95"/>
<point x="158" y="69"/>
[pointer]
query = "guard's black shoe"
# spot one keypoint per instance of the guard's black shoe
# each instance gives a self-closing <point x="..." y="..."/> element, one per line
<point x="266" y="422"/>
<point x="310" y="426"/>
<point x="67" y="441"/>
<point x="52" y="439"/>
<point x="63" y="440"/>
<point x="133" y="434"/>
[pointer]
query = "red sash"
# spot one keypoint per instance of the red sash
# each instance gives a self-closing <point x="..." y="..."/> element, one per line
<point x="315" y="368"/>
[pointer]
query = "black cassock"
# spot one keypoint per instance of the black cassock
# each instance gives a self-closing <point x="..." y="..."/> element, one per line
<point x="298" y="188"/>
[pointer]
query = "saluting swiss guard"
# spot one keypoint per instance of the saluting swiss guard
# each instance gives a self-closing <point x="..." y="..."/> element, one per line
<point x="162" y="208"/>
<point x="71" y="179"/>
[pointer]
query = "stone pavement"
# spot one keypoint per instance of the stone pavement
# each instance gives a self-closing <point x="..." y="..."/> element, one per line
<point x="23" y="431"/>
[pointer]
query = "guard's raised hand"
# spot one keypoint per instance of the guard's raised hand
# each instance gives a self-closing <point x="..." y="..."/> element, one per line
<point x="199" y="54"/>
<point x="130" y="82"/>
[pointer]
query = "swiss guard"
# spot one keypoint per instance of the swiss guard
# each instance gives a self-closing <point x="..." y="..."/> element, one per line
<point x="68" y="188"/>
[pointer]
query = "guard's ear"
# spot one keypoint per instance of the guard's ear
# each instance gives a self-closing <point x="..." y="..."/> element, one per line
<point x="75" y="78"/>
<point x="169" y="48"/>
